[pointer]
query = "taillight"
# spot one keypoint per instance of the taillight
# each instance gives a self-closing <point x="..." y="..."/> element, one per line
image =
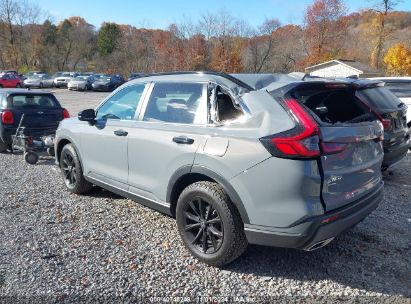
<point x="66" y="114"/>
<point x="7" y="118"/>
<point x="386" y="123"/>
<point x="300" y="142"/>
<point x="332" y="148"/>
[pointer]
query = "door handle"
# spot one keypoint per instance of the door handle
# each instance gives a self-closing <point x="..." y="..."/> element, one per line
<point x="121" y="133"/>
<point x="183" y="140"/>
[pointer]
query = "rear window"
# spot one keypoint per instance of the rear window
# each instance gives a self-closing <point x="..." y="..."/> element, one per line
<point x="379" y="98"/>
<point x="32" y="100"/>
<point x="400" y="89"/>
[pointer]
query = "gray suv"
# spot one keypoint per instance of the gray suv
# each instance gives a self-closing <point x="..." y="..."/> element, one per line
<point x="233" y="164"/>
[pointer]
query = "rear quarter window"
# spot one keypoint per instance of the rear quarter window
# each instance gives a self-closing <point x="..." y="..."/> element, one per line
<point x="379" y="98"/>
<point x="32" y="100"/>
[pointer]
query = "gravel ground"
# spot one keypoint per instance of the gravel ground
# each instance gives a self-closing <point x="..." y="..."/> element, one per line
<point x="56" y="246"/>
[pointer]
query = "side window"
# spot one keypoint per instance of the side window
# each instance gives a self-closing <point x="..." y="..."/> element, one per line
<point x="123" y="104"/>
<point x="226" y="107"/>
<point x="184" y="103"/>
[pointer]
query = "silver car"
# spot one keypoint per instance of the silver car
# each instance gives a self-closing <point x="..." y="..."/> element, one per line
<point x="232" y="163"/>
<point x="80" y="83"/>
<point x="39" y="81"/>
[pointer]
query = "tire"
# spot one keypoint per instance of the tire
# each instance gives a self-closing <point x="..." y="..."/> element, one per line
<point x="72" y="171"/>
<point x="223" y="228"/>
<point x="3" y="147"/>
<point x="31" y="157"/>
<point x="1" y="86"/>
<point x="18" y="85"/>
<point x="40" y="85"/>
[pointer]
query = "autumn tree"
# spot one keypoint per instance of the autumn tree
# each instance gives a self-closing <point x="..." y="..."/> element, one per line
<point x="398" y="60"/>
<point x="379" y="29"/>
<point x="324" y="29"/>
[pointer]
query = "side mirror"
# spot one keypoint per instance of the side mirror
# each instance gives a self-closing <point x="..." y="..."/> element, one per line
<point x="87" y="115"/>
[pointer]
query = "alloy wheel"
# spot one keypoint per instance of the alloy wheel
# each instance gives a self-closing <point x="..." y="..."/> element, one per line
<point x="203" y="226"/>
<point x="69" y="170"/>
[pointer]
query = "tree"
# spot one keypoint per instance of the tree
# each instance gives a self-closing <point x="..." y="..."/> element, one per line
<point x="398" y="60"/>
<point x="383" y="7"/>
<point x="108" y="38"/>
<point x="324" y="30"/>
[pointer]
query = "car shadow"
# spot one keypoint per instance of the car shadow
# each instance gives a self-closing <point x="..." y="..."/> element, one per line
<point x="98" y="192"/>
<point x="353" y="259"/>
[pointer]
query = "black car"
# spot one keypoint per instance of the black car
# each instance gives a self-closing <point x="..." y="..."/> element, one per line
<point x="107" y="83"/>
<point x="339" y="101"/>
<point x="41" y="110"/>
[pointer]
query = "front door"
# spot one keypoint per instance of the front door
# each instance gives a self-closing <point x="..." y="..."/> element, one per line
<point x="105" y="143"/>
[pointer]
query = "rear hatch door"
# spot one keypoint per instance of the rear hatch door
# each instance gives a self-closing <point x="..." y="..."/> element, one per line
<point x="351" y="161"/>
<point x="40" y="111"/>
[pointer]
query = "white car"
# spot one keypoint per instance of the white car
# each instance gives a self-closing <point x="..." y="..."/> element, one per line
<point x="401" y="87"/>
<point x="64" y="79"/>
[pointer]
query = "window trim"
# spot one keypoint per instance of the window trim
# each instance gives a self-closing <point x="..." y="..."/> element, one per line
<point x="152" y="85"/>
<point x="139" y="106"/>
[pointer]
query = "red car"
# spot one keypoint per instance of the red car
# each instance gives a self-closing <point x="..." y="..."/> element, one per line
<point x="10" y="80"/>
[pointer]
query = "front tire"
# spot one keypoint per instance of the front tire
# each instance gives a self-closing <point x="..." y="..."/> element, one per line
<point x="72" y="171"/>
<point x="209" y="224"/>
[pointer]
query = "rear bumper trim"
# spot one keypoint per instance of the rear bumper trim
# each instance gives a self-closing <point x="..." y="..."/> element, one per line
<point x="312" y="231"/>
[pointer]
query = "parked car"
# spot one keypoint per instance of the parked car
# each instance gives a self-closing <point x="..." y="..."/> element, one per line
<point x="400" y="87"/>
<point x="31" y="73"/>
<point x="10" y="80"/>
<point x="64" y="79"/>
<point x="80" y="83"/>
<point x="135" y="76"/>
<point x="348" y="97"/>
<point x="39" y="81"/>
<point x="233" y="164"/>
<point x="107" y="83"/>
<point x="41" y="109"/>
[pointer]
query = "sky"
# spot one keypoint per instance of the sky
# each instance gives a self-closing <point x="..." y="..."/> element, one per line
<point x="161" y="13"/>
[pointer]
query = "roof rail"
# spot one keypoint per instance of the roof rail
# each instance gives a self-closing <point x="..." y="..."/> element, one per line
<point x="221" y="74"/>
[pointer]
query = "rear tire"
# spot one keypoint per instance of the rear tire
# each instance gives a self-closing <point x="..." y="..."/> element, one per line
<point x="209" y="224"/>
<point x="18" y="85"/>
<point x="3" y="147"/>
<point x="72" y="171"/>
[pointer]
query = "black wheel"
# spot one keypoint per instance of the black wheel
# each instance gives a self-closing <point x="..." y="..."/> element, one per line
<point x="50" y="151"/>
<point x="40" y="85"/>
<point x="72" y="171"/>
<point x="18" y="85"/>
<point x="31" y="157"/>
<point x="209" y="224"/>
<point x="3" y="147"/>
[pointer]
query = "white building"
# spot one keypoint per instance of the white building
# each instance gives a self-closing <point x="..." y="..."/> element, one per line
<point x="342" y="68"/>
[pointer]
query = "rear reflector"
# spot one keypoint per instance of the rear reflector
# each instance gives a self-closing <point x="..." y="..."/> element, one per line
<point x="332" y="148"/>
<point x="7" y="118"/>
<point x="66" y="114"/>
<point x="386" y="123"/>
<point x="300" y="142"/>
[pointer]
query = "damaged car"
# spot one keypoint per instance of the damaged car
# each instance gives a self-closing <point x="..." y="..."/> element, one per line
<point x="232" y="163"/>
<point x="340" y="101"/>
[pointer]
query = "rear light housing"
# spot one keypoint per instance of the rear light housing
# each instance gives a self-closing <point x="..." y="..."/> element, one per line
<point x="7" y="118"/>
<point x="301" y="142"/>
<point x="66" y="114"/>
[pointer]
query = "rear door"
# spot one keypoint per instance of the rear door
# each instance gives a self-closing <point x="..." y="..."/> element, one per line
<point x="351" y="161"/>
<point x="167" y="136"/>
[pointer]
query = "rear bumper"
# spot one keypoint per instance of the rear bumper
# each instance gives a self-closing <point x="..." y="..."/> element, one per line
<point x="395" y="154"/>
<point x="315" y="229"/>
